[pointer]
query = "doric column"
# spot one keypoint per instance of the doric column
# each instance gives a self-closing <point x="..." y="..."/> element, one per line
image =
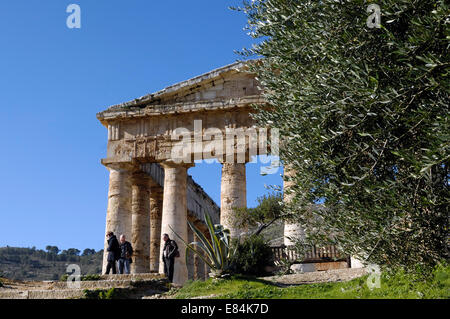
<point x="233" y="194"/>
<point x="291" y="230"/>
<point x="174" y="217"/>
<point x="156" y="202"/>
<point x="140" y="211"/>
<point x="118" y="217"/>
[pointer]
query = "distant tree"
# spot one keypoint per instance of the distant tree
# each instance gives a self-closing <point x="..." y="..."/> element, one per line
<point x="71" y="252"/>
<point x="52" y="249"/>
<point x="268" y="211"/>
<point x="88" y="252"/>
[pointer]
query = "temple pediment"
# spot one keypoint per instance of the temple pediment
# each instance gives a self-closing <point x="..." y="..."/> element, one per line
<point x="229" y="86"/>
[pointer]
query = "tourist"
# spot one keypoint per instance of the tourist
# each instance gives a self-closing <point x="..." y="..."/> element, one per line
<point x="113" y="252"/>
<point x="170" y="251"/>
<point x="126" y="251"/>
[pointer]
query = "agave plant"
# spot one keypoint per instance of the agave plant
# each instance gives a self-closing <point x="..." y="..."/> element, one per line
<point x="217" y="252"/>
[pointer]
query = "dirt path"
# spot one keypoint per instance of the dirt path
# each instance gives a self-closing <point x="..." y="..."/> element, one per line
<point x="335" y="275"/>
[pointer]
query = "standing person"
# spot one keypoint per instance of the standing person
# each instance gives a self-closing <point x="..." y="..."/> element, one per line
<point x="126" y="251"/>
<point x="170" y="251"/>
<point x="113" y="252"/>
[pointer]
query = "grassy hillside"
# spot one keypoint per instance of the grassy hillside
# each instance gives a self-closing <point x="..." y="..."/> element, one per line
<point x="35" y="264"/>
<point x="393" y="286"/>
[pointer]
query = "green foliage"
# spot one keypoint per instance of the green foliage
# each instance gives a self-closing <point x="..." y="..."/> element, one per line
<point x="268" y="210"/>
<point x="88" y="252"/>
<point x="363" y="119"/>
<point x="92" y="277"/>
<point x="252" y="256"/>
<point x="52" y="249"/>
<point x="397" y="285"/>
<point x="284" y="266"/>
<point x="71" y="252"/>
<point x="113" y="293"/>
<point x="216" y="253"/>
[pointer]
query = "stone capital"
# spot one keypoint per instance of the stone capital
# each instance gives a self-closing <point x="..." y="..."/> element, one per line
<point x="236" y="160"/>
<point x="125" y="166"/>
<point x="172" y="164"/>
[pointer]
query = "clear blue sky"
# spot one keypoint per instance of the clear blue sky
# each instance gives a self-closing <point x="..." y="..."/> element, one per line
<point x="53" y="81"/>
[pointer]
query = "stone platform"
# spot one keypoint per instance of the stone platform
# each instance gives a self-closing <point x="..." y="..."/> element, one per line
<point x="133" y="286"/>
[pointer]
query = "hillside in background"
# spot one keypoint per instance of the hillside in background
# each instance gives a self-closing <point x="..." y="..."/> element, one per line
<point x="274" y="234"/>
<point x="36" y="264"/>
<point x="50" y="264"/>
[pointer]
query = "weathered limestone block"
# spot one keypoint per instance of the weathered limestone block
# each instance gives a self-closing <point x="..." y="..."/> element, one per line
<point x="118" y="218"/>
<point x="233" y="194"/>
<point x="156" y="202"/>
<point x="140" y="208"/>
<point x="174" y="218"/>
<point x="356" y="263"/>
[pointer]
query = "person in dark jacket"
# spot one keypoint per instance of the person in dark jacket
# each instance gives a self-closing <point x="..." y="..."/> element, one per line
<point x="126" y="251"/>
<point x="113" y="252"/>
<point x="170" y="250"/>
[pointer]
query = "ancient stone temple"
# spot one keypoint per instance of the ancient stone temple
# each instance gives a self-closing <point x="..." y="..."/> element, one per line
<point x="152" y="142"/>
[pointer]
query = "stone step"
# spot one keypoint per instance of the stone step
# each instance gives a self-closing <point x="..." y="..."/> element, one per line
<point x="144" y="276"/>
<point x="13" y="294"/>
<point x="97" y="284"/>
<point x="131" y="293"/>
<point x="133" y="286"/>
<point x="42" y="294"/>
<point x="118" y="282"/>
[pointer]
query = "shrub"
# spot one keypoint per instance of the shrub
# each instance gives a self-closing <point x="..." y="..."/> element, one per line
<point x="216" y="253"/>
<point x="90" y="277"/>
<point x="252" y="256"/>
<point x="112" y="293"/>
<point x="83" y="278"/>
